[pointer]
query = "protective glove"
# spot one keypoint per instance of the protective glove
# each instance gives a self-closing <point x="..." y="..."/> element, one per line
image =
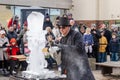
<point x="4" y="45"/>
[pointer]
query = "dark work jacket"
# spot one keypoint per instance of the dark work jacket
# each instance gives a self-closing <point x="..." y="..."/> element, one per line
<point x="73" y="38"/>
<point x="74" y="58"/>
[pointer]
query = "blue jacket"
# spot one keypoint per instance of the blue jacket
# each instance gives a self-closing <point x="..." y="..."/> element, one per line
<point x="88" y="39"/>
<point x="114" y="45"/>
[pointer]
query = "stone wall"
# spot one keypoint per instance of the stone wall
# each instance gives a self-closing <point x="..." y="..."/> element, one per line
<point x="5" y="15"/>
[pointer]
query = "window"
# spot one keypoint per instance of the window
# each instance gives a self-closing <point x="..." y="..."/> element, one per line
<point x="117" y="22"/>
<point x="106" y="23"/>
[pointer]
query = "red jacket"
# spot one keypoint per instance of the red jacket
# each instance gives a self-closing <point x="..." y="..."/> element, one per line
<point x="13" y="50"/>
<point x="11" y="22"/>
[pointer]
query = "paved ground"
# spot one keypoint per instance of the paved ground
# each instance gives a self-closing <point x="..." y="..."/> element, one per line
<point x="4" y="78"/>
<point x="97" y="74"/>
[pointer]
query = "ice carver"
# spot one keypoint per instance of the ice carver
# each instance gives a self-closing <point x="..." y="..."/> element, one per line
<point x="74" y="59"/>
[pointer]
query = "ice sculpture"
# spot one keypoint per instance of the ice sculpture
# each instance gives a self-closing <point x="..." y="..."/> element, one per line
<point x="36" y="42"/>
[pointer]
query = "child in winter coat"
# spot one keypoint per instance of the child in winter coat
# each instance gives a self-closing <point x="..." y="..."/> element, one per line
<point x="49" y="55"/>
<point x="114" y="47"/>
<point x="13" y="50"/>
<point x="102" y="48"/>
<point x="88" y="41"/>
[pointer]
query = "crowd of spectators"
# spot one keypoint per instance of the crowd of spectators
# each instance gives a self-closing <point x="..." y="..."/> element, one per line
<point x="98" y="41"/>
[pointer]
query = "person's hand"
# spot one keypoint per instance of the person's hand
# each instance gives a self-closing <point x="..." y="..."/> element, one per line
<point x="94" y="32"/>
<point x="50" y="39"/>
<point x="86" y="44"/>
<point x="25" y="44"/>
<point x="59" y="38"/>
<point x="7" y="44"/>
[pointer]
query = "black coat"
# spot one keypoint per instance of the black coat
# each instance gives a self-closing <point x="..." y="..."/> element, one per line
<point x="11" y="35"/>
<point x="74" y="58"/>
<point x="108" y="35"/>
<point x="96" y="36"/>
<point x="47" y="24"/>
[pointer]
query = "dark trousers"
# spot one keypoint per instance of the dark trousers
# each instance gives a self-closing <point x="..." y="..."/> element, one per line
<point x="4" y="64"/>
<point x="50" y="61"/>
<point x="63" y="69"/>
<point x="24" y="65"/>
<point x="107" y="50"/>
<point x="1" y="64"/>
<point x="12" y="65"/>
<point x="95" y="52"/>
<point x="102" y="57"/>
<point x="114" y="56"/>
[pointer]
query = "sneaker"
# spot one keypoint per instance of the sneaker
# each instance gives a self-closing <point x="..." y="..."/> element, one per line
<point x="63" y="76"/>
<point x="13" y="72"/>
<point x="1" y="71"/>
<point x="59" y="69"/>
<point x="5" y="71"/>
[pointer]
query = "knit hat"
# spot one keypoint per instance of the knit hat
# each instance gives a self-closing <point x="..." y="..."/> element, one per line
<point x="69" y="14"/>
<point x="13" y="40"/>
<point x="2" y="32"/>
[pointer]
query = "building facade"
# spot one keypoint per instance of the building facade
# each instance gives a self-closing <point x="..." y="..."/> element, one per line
<point x="84" y="11"/>
<point x="95" y="11"/>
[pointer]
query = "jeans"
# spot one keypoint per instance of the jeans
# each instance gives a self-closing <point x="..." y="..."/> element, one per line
<point x="102" y="57"/>
<point x="114" y="56"/>
<point x="50" y="61"/>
